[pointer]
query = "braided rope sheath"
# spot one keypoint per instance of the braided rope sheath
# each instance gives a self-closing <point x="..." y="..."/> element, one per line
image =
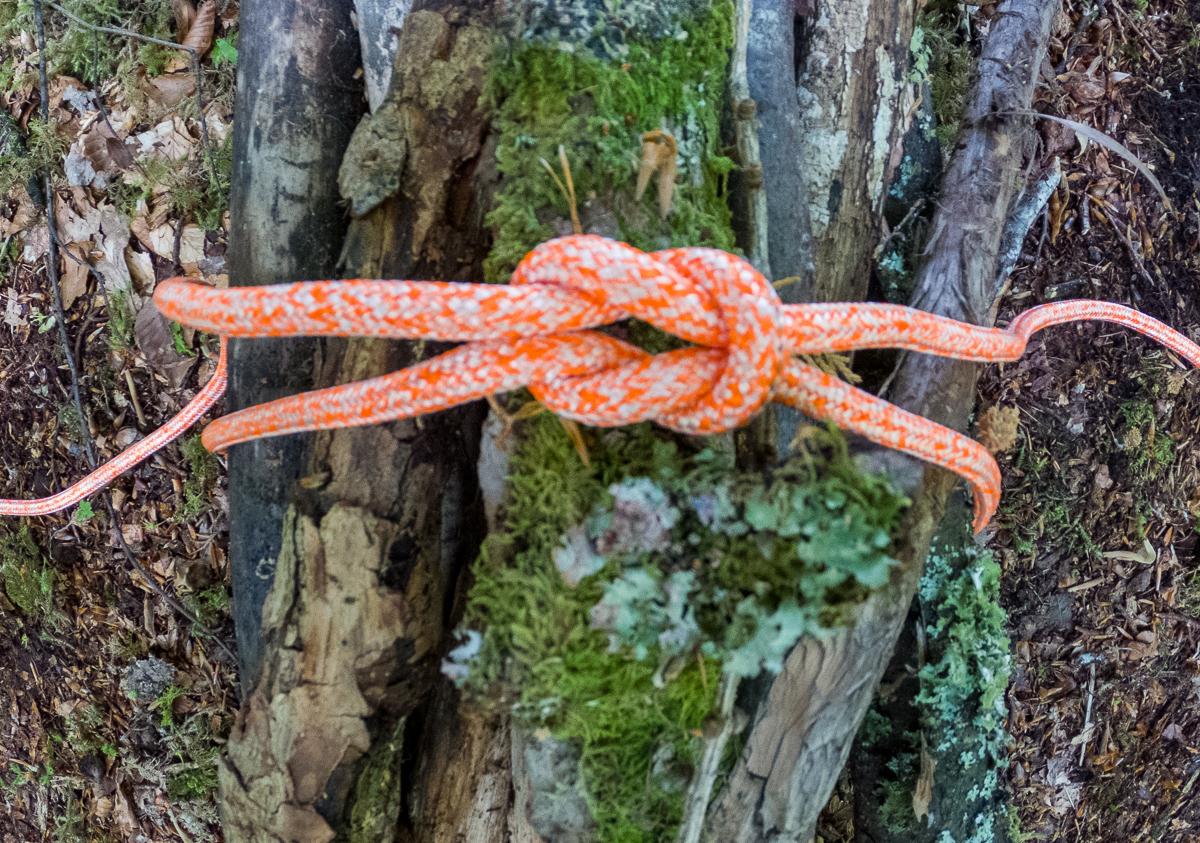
<point x="533" y="332"/>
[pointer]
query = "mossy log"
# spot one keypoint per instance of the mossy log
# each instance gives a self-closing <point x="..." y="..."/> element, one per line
<point x="351" y="731"/>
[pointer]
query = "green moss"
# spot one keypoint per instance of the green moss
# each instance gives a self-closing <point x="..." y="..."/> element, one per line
<point x="376" y="806"/>
<point x="895" y="790"/>
<point x="940" y="55"/>
<point x="28" y="580"/>
<point x="202" y="471"/>
<point x="741" y="571"/>
<point x="596" y="110"/>
<point x="718" y="593"/>
<point x="963" y="684"/>
<point x="71" y="48"/>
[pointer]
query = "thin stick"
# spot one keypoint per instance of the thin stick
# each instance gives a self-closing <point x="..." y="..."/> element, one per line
<point x="1133" y="255"/>
<point x="746" y="133"/>
<point x="113" y="31"/>
<point x="1087" y="720"/>
<point x="700" y="790"/>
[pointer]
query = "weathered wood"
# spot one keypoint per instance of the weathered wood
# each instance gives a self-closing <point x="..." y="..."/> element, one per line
<point x="802" y="734"/>
<point x="853" y="110"/>
<point x="296" y="107"/>
<point x="372" y="548"/>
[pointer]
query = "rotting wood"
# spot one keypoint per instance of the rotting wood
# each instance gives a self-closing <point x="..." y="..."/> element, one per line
<point x="286" y="226"/>
<point x="852" y="115"/>
<point x="429" y="225"/>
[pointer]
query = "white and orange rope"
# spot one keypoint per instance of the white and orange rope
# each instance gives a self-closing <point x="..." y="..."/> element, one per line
<point x="534" y="332"/>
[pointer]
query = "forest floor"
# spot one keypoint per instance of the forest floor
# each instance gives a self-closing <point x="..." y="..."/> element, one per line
<point x="1097" y="531"/>
<point x="115" y="670"/>
<point x="117" y="678"/>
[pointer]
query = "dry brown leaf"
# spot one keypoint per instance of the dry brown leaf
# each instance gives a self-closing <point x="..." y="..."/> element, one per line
<point x="12" y="310"/>
<point x="1055" y="207"/>
<point x="37" y="243"/>
<point x="122" y="812"/>
<point x="998" y="428"/>
<point x="1108" y="143"/>
<point x="1084" y="89"/>
<point x="184" y="13"/>
<point x="141" y="268"/>
<point x="200" y="35"/>
<point x="658" y="156"/>
<point x="104" y="150"/>
<point x="73" y="283"/>
<point x="923" y="793"/>
<point x="170" y="89"/>
<point x="157" y="344"/>
<point x="24" y="215"/>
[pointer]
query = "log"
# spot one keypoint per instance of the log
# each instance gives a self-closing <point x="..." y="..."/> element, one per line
<point x="286" y="225"/>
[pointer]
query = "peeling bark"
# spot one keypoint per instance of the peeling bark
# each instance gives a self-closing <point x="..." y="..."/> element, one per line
<point x="370" y="571"/>
<point x="372" y="548"/>
<point x="803" y="732"/>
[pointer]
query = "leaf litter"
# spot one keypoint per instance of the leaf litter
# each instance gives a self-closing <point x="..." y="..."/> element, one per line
<point x="90" y="749"/>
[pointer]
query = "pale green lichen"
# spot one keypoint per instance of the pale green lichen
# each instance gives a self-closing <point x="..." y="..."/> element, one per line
<point x="962" y="687"/>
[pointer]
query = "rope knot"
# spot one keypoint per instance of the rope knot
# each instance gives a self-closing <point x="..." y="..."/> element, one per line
<point x="710" y="298"/>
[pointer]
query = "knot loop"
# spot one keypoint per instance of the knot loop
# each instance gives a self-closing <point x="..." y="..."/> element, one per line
<point x="705" y="296"/>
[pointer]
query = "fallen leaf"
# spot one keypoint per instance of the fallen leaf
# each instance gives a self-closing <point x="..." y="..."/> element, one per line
<point x="170" y="89"/>
<point x="200" y="34"/>
<point x="1084" y="89"/>
<point x="24" y="215"/>
<point x="37" y="243"/>
<point x="184" y="13"/>
<point x="141" y="269"/>
<point x="1104" y="140"/>
<point x="157" y="344"/>
<point x="169" y="140"/>
<point x="1102" y="479"/>
<point x="658" y="156"/>
<point x="12" y="311"/>
<point x="73" y="283"/>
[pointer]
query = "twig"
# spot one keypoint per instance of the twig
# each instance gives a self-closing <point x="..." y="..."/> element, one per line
<point x="1085" y="20"/>
<point x="1133" y="255"/>
<point x="60" y="316"/>
<point x="1087" y="720"/>
<point x="1142" y="38"/>
<point x="137" y="406"/>
<point x="746" y="133"/>
<point x="700" y="790"/>
<point x="114" y="31"/>
<point x="883" y="244"/>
